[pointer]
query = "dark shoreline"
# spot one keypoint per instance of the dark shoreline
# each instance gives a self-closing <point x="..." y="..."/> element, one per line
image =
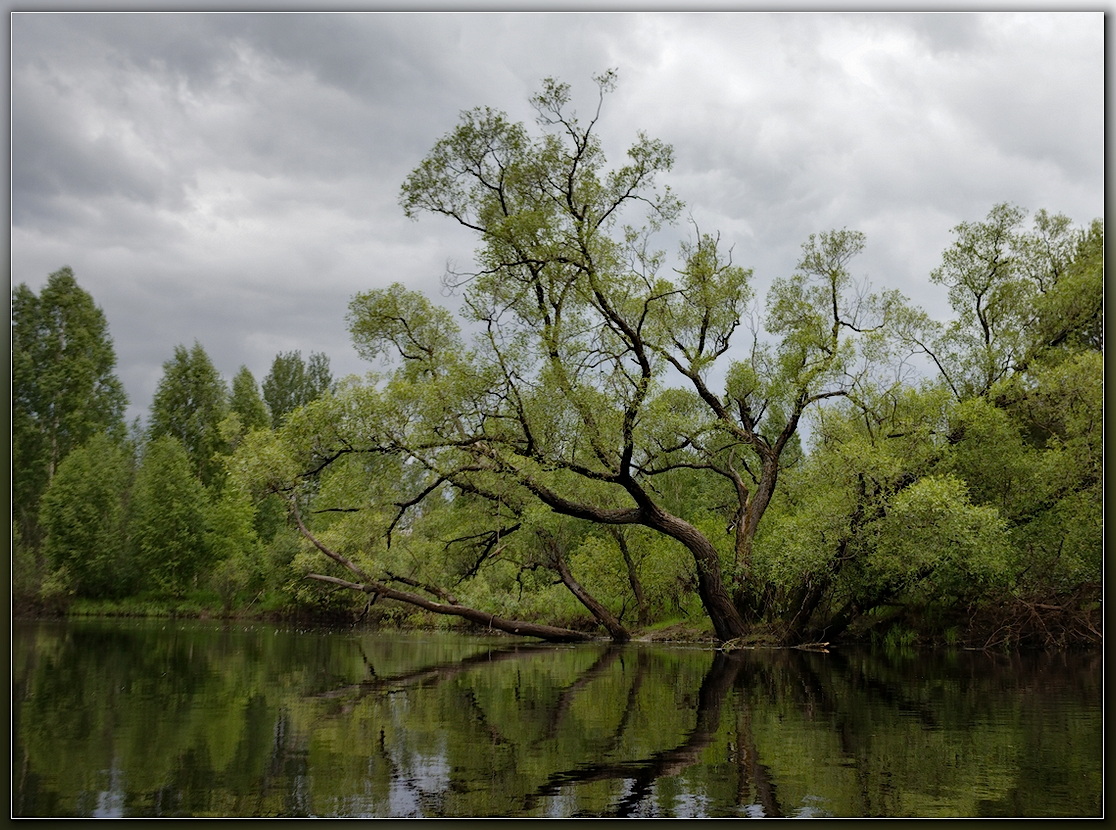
<point x="981" y="639"/>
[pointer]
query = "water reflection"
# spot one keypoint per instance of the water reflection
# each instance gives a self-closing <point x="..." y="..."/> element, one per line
<point x="640" y="774"/>
<point x="192" y="719"/>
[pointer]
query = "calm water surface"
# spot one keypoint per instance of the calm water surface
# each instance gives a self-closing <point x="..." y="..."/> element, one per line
<point x="174" y="718"/>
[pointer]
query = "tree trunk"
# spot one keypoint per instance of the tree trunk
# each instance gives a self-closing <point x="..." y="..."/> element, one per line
<point x="606" y="618"/>
<point x="726" y="618"/>
<point x="746" y="596"/>
<point x="806" y="602"/>
<point x="643" y="615"/>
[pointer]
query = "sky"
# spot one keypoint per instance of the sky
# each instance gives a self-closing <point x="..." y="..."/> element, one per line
<point x="234" y="179"/>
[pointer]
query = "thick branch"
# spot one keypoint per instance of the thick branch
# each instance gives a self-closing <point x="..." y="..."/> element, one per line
<point x="600" y="612"/>
<point x="440" y="593"/>
<point x="483" y="618"/>
<point x="372" y="586"/>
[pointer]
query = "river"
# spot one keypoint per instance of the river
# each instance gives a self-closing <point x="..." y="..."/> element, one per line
<point x="144" y="718"/>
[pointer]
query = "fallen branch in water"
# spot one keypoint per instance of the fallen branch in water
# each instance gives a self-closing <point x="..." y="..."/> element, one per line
<point x="746" y="642"/>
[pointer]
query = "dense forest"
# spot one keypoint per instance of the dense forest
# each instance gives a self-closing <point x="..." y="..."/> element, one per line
<point x="607" y="439"/>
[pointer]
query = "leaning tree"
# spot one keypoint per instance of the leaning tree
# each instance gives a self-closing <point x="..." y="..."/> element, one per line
<point x="596" y="371"/>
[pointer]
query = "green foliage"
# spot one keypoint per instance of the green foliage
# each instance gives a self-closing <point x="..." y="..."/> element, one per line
<point x="1037" y="457"/>
<point x="454" y="467"/>
<point x="83" y="518"/>
<point x="1068" y="267"/>
<point x="929" y="501"/>
<point x="170" y="517"/>
<point x="190" y="403"/>
<point x="26" y="578"/>
<point x="394" y="320"/>
<point x="991" y="296"/>
<point x="1060" y="406"/>
<point x="293" y="382"/>
<point x="580" y="434"/>
<point x="64" y="390"/>
<point x="565" y="394"/>
<point x="262" y="463"/>
<point x="246" y="403"/>
<point x="934" y="533"/>
<point x="988" y="451"/>
<point x="280" y="579"/>
<point x="57" y="592"/>
<point x="234" y="546"/>
<point x="861" y="459"/>
<point x="1017" y="295"/>
<point x="700" y="313"/>
<point x="663" y="568"/>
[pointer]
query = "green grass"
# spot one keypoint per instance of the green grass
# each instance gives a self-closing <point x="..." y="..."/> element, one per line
<point x="194" y="605"/>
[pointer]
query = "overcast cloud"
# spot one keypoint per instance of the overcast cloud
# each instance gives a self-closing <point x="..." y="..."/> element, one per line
<point x="234" y="178"/>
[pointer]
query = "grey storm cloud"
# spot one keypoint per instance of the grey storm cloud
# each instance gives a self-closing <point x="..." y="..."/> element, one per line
<point x="234" y="178"/>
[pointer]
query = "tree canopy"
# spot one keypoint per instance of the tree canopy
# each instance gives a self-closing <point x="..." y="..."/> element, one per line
<point x="64" y="386"/>
<point x="608" y="434"/>
<point x="293" y="382"/>
<point x="606" y="379"/>
<point x="190" y="403"/>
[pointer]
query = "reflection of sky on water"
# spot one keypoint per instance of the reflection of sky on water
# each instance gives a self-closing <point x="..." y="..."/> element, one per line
<point x="403" y="801"/>
<point x="110" y="802"/>
<point x="418" y="779"/>
<point x="690" y="805"/>
<point x="561" y="805"/>
<point x="813" y="806"/>
<point x="418" y="775"/>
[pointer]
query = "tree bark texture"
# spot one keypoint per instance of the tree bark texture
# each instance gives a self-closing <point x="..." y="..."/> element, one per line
<point x="727" y="620"/>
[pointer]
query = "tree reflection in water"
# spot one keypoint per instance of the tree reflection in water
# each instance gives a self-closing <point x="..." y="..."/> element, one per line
<point x="640" y="775"/>
<point x="138" y="720"/>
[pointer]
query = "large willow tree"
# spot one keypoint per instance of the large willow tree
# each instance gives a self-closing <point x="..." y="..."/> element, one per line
<point x="601" y="369"/>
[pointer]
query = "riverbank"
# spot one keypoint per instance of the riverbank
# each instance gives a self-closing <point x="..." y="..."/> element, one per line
<point x="691" y="632"/>
<point x="1010" y="626"/>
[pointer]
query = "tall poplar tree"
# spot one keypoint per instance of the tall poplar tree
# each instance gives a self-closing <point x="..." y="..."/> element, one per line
<point x="189" y="405"/>
<point x="247" y="402"/>
<point x="293" y="382"/>
<point x="64" y="387"/>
